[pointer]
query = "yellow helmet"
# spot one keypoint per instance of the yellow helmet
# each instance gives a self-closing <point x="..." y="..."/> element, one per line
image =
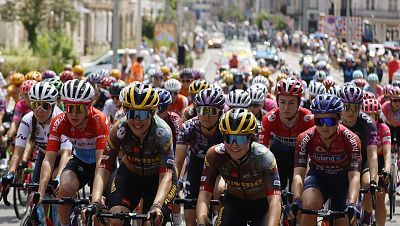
<point x="34" y="75"/>
<point x="165" y="70"/>
<point x="264" y="71"/>
<point x="238" y="121"/>
<point x="197" y="86"/>
<point x="227" y="77"/>
<point x="175" y="75"/>
<point x="140" y="96"/>
<point x="115" y="73"/>
<point x="78" y="70"/>
<point x="255" y="70"/>
<point x="17" y="79"/>
<point x="281" y="76"/>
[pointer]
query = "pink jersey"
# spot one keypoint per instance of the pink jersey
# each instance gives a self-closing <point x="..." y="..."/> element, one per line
<point x="21" y="108"/>
<point x="383" y="136"/>
<point x="390" y="117"/>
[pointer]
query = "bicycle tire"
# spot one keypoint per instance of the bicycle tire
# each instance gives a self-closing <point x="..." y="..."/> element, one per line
<point x="26" y="221"/>
<point x="20" y="206"/>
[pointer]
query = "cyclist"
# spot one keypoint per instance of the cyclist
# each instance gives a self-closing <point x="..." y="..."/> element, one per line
<point x="362" y="125"/>
<point x="249" y="170"/>
<point x="238" y="80"/>
<point x="314" y="89"/>
<point x="373" y="108"/>
<point x="194" y="88"/>
<point x="332" y="153"/>
<point x="307" y="72"/>
<point x="186" y="79"/>
<point x="348" y="67"/>
<point x="257" y="97"/>
<point x="78" y="72"/>
<point x="34" y="75"/>
<point x="373" y="85"/>
<point x="21" y="108"/>
<point x="100" y="94"/>
<point x="196" y="137"/>
<point x="179" y="101"/>
<point x="113" y="104"/>
<point x="238" y="99"/>
<point x="386" y="94"/>
<point x="282" y="125"/>
<point x="16" y="80"/>
<point x="391" y="114"/>
<point x="66" y="75"/>
<point x="87" y="129"/>
<point x="48" y="74"/>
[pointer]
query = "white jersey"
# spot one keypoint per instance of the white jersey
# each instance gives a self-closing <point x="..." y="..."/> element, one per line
<point x="41" y="134"/>
<point x="110" y="109"/>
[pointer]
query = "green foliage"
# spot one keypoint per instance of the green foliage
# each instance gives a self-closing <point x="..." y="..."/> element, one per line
<point x="147" y="28"/>
<point x="22" y="64"/>
<point x="233" y="13"/>
<point x="277" y="20"/>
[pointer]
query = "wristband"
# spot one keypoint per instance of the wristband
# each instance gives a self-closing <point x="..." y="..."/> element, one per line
<point x="156" y="206"/>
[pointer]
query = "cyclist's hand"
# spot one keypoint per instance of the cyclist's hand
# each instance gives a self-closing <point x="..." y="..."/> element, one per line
<point x="156" y="214"/>
<point x="372" y="186"/>
<point x="295" y="207"/>
<point x="90" y="211"/>
<point x="385" y="176"/>
<point x="6" y="181"/>
<point x="350" y="210"/>
<point x="30" y="199"/>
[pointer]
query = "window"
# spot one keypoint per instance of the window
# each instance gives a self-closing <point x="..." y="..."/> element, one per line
<point x="392" y="5"/>
<point x="370" y="4"/>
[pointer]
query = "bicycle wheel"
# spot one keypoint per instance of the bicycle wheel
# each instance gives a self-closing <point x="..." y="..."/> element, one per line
<point x="20" y="197"/>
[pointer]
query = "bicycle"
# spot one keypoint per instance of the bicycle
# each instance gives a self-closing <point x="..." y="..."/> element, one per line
<point x="20" y="193"/>
<point x="286" y="200"/>
<point x="373" y="199"/>
<point x="328" y="216"/>
<point x="193" y="201"/>
<point x="128" y="218"/>
<point x="393" y="179"/>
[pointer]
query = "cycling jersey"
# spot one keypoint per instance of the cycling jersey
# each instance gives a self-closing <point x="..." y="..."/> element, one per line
<point x="189" y="112"/>
<point x="41" y="133"/>
<point x="382" y="99"/>
<point x="175" y="123"/>
<point x="21" y="108"/>
<point x="178" y="106"/>
<point x="255" y="177"/>
<point x="365" y="129"/>
<point x="99" y="104"/>
<point x="377" y="91"/>
<point x="119" y="115"/>
<point x="151" y="157"/>
<point x="342" y="155"/>
<point x="389" y="117"/>
<point x="269" y="104"/>
<point x="383" y="137"/>
<point x="85" y="142"/>
<point x="110" y="109"/>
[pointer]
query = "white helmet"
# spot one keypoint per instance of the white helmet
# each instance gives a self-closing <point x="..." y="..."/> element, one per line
<point x="259" y="79"/>
<point x="257" y="95"/>
<point x="260" y="86"/>
<point x="172" y="85"/>
<point x="43" y="91"/>
<point x="320" y="75"/>
<point x="334" y="90"/>
<point x="238" y="99"/>
<point x="316" y="88"/>
<point x="77" y="91"/>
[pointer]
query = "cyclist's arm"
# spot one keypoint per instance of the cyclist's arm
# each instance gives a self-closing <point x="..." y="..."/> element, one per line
<point x="13" y="129"/>
<point x="100" y="181"/>
<point x="65" y="156"/>
<point x="28" y="150"/>
<point x="45" y="173"/>
<point x="354" y="186"/>
<point x="354" y="166"/>
<point x="20" y="143"/>
<point x="16" y="158"/>
<point x="164" y="186"/>
<point x="203" y="202"/>
<point x="180" y="155"/>
<point x="274" y="209"/>
<point x="298" y="181"/>
<point x="265" y="133"/>
<point x="372" y="159"/>
<point x="300" y="164"/>
<point x="386" y="149"/>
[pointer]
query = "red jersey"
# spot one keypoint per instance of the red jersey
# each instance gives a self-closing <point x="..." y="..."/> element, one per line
<point x="389" y="116"/>
<point x="179" y="105"/>
<point x="84" y="142"/>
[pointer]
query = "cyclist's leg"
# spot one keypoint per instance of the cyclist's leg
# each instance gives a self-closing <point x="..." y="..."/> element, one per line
<point x="192" y="190"/>
<point x="257" y="212"/>
<point x="338" y="191"/>
<point x="283" y="159"/>
<point x="69" y="185"/>
<point x="381" y="211"/>
<point x="367" y="200"/>
<point x="313" y="198"/>
<point x="230" y="213"/>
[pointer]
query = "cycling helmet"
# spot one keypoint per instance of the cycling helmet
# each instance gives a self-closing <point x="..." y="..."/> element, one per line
<point x="349" y="57"/>
<point x="17" y="79"/>
<point x="157" y="74"/>
<point x="395" y="93"/>
<point x="328" y="83"/>
<point x="289" y="87"/>
<point x="334" y="90"/>
<point x="320" y="75"/>
<point x="56" y="83"/>
<point x="34" y="75"/>
<point x="371" y="106"/>
<point x="103" y="72"/>
<point x="360" y="82"/>
<point x="78" y="70"/>
<point x="257" y="95"/>
<point x="386" y="89"/>
<point x="281" y="60"/>
<point x="116" y="87"/>
<point x="261" y="62"/>
<point x="198" y="74"/>
<point x="346" y="84"/>
<point x="281" y="76"/>
<point x="227" y="77"/>
<point x="396" y="83"/>
<point x="210" y="97"/>
<point x="175" y="75"/>
<point x="172" y="85"/>
<point x="66" y="75"/>
<point x="77" y="91"/>
<point x="165" y="97"/>
<point x="322" y="65"/>
<point x="260" y="80"/>
<point x="255" y="70"/>
<point x="141" y="96"/>
<point x="357" y="74"/>
<point x="373" y="78"/>
<point x="198" y="85"/>
<point x="238" y="77"/>
<point x="238" y="121"/>
<point x="217" y="87"/>
<point x="351" y="94"/>
<point x="263" y="87"/>
<point x="316" y="88"/>
<point x="238" y="99"/>
<point x="285" y="70"/>
<point x="48" y="74"/>
<point x="368" y="95"/>
<point x="94" y="78"/>
<point x="26" y="86"/>
<point x="326" y="103"/>
<point x="265" y="71"/>
<point x="43" y="91"/>
<point x="115" y="73"/>
<point x="107" y="81"/>
<point x="306" y="65"/>
<point x="165" y="70"/>
<point x="124" y="92"/>
<point x="186" y="73"/>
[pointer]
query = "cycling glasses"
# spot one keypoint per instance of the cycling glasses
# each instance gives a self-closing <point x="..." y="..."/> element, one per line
<point x="77" y="108"/>
<point x="351" y="107"/>
<point x="326" y="121"/>
<point x="45" y="106"/>
<point x="136" y="114"/>
<point x="207" y="110"/>
<point x="238" y="139"/>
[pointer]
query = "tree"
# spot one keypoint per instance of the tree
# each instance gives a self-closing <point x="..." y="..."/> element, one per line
<point x="277" y="20"/>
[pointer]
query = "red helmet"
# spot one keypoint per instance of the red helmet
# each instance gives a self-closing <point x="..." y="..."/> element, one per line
<point x="395" y="93"/>
<point x="26" y="86"/>
<point x="371" y="106"/>
<point x="66" y="75"/>
<point x="386" y="89"/>
<point x="360" y="82"/>
<point x="369" y="95"/>
<point x="289" y="87"/>
<point x="107" y="80"/>
<point x="328" y="83"/>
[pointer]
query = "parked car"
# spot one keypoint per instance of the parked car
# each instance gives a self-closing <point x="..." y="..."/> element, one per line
<point x="216" y="40"/>
<point x="267" y="52"/>
<point x="105" y="61"/>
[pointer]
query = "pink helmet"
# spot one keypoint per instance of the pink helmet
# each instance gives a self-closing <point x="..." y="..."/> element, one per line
<point x="26" y="86"/>
<point x="371" y="106"/>
<point x="369" y="95"/>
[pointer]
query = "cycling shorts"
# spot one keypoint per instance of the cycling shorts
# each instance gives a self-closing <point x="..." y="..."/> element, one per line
<point x="333" y="187"/>
<point x="240" y="212"/>
<point x="286" y="159"/>
<point x="192" y="185"/>
<point x="84" y="171"/>
<point x="38" y="166"/>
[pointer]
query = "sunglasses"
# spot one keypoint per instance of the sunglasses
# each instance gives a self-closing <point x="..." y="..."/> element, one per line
<point x="325" y="121"/>
<point x="207" y="110"/>
<point x="136" y="114"/>
<point x="77" y="108"/>
<point x="162" y="108"/>
<point x="351" y="107"/>
<point x="45" y="106"/>
<point x="238" y="139"/>
<point x="395" y="100"/>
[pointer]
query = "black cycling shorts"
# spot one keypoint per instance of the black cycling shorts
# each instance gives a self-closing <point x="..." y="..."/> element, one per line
<point x="240" y="212"/>
<point x="192" y="184"/>
<point x="84" y="171"/>
<point x="285" y="162"/>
